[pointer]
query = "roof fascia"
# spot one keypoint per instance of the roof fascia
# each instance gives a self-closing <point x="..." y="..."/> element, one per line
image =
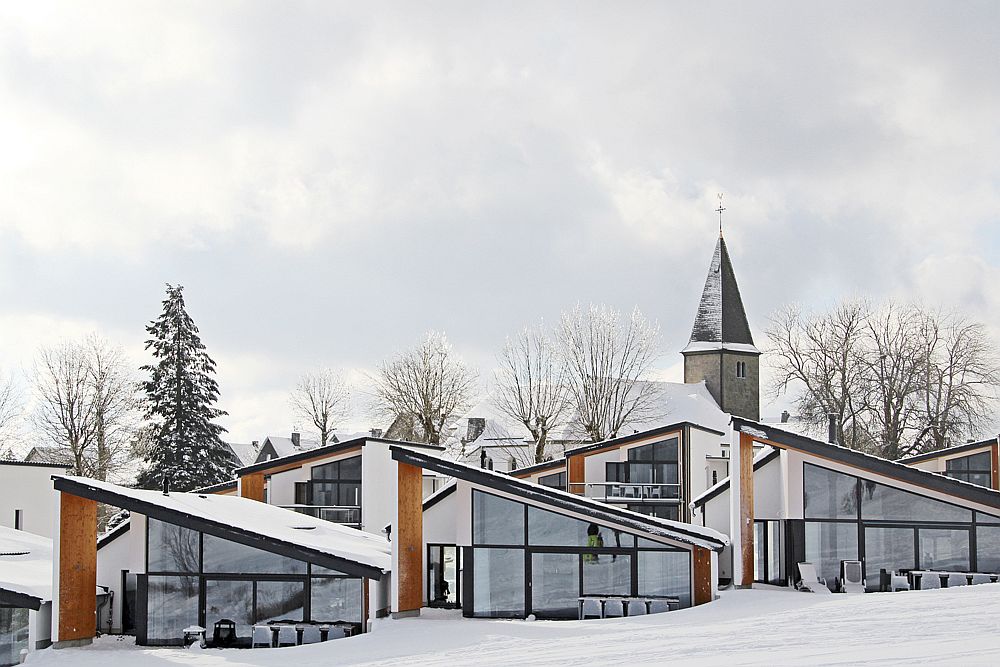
<point x="218" y="529"/>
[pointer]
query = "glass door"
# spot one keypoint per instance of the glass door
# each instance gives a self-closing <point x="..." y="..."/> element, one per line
<point x="442" y="576"/>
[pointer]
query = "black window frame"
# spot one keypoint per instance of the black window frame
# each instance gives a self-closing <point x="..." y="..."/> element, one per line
<point x="560" y="480"/>
<point x="959" y="468"/>
<point x="529" y="550"/>
<point x="335" y="481"/>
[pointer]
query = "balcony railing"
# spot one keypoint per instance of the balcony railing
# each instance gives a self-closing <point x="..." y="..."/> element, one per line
<point x="626" y="491"/>
<point x="344" y="515"/>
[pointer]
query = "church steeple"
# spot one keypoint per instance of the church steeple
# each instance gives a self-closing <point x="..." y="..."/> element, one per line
<point x="721" y="318"/>
<point x="721" y="350"/>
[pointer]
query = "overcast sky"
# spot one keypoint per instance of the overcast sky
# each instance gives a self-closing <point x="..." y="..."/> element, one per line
<point x="330" y="181"/>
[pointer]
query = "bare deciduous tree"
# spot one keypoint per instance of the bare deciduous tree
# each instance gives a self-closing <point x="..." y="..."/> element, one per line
<point x="427" y="385"/>
<point x="531" y="387"/>
<point x="607" y="356"/>
<point x="10" y="411"/>
<point x="900" y="379"/>
<point x="87" y="401"/>
<point x="323" y="400"/>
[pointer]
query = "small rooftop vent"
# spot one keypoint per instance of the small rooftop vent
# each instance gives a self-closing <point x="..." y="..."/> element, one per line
<point x="304" y="527"/>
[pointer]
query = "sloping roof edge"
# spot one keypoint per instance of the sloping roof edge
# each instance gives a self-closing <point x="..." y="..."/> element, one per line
<point x="892" y="469"/>
<point x="217" y="528"/>
<point x="681" y="532"/>
<point x="263" y="466"/>
<point x="954" y="449"/>
<point x="631" y="437"/>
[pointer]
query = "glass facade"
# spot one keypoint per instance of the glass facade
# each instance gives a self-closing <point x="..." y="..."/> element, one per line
<point x="13" y="634"/>
<point x="897" y="529"/>
<point x="498" y="582"/>
<point x="337" y="483"/>
<point x="827" y="544"/>
<point x="767" y="552"/>
<point x="555" y="584"/>
<point x="555" y="480"/>
<point x="561" y="558"/>
<point x="975" y="469"/>
<point x="200" y="579"/>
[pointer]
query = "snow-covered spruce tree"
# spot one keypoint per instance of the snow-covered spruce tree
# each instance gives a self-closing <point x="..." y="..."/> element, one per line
<point x="181" y="392"/>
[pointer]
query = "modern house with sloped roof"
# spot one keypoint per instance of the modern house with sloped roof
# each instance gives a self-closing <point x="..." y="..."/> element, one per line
<point x="803" y="500"/>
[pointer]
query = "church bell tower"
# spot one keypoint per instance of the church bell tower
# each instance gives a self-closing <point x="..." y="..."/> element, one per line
<point x="721" y="350"/>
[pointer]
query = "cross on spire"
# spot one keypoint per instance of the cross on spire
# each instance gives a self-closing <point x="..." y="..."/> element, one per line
<point x="719" y="211"/>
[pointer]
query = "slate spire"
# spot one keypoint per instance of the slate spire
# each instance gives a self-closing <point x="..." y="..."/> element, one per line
<point x="721" y="320"/>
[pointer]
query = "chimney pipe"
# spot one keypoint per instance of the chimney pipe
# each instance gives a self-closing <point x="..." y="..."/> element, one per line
<point x="482" y="458"/>
<point x="832" y="428"/>
<point x="296" y="438"/>
<point x="166" y="485"/>
<point x="785" y="416"/>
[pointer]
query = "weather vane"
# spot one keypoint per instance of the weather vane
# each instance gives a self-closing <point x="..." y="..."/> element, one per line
<point x="719" y="211"/>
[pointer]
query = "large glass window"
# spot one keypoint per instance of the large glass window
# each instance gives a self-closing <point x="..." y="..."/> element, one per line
<point x="605" y="574"/>
<point x="496" y="520"/>
<point x="337" y="483"/>
<point x="654" y="464"/>
<point x="666" y="574"/>
<point x="498" y="582"/>
<point x="13" y="634"/>
<point x="944" y="549"/>
<point x="337" y="600"/>
<point x="279" y="601"/>
<point x="550" y="529"/>
<point x="767" y="552"/>
<point x="555" y="480"/>
<point x="888" y="549"/>
<point x="828" y="543"/>
<point x="172" y="548"/>
<point x="975" y="469"/>
<point x="988" y="548"/>
<point x="232" y="600"/>
<point x="225" y="556"/>
<point x="885" y="503"/>
<point x="829" y="494"/>
<point x="555" y="584"/>
<point x="659" y="510"/>
<point x="172" y="605"/>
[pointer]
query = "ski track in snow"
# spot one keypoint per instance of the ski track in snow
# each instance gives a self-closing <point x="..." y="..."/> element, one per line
<point x="758" y="627"/>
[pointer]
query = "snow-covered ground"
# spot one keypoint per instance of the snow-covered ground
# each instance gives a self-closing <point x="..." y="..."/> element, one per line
<point x="758" y="627"/>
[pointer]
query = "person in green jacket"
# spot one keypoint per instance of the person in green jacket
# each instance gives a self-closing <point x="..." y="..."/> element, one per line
<point x="594" y="539"/>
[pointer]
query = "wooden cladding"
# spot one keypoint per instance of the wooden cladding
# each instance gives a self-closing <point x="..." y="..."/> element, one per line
<point x="995" y="466"/>
<point x="575" y="474"/>
<point x="409" y="538"/>
<point x="702" y="575"/>
<point x="252" y="486"/>
<point x="746" y="509"/>
<point x="77" y="568"/>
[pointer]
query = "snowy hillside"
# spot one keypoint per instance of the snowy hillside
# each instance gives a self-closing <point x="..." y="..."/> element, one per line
<point x="757" y="627"/>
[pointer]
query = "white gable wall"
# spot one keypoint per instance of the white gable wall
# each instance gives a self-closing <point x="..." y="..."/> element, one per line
<point x="29" y="489"/>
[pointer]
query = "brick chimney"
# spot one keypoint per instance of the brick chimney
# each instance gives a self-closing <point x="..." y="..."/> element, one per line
<point x="296" y="438"/>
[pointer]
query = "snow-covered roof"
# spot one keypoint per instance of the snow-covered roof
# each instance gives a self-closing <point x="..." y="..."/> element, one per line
<point x="243" y="520"/>
<point x="721" y="317"/>
<point x="55" y="455"/>
<point x="246" y="452"/>
<point x="542" y="495"/>
<point x="285" y="446"/>
<point x="672" y="402"/>
<point x="25" y="563"/>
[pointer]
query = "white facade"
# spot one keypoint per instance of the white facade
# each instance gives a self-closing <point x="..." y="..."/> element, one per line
<point x="27" y="496"/>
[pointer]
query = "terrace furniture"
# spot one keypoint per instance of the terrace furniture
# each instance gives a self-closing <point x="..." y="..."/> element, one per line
<point x="224" y="633"/>
<point x="810" y="581"/>
<point x="260" y="636"/>
<point x="851" y="580"/>
<point x="194" y="633"/>
<point x="621" y="603"/>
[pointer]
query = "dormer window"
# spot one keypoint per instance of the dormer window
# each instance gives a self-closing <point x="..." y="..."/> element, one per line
<point x="741" y="369"/>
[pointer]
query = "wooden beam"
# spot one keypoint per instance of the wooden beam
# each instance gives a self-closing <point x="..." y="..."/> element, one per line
<point x="746" y="508"/>
<point x="409" y="540"/>
<point x="702" y="575"/>
<point x="995" y="465"/>
<point x="77" y="569"/>
<point x="575" y="475"/>
<point x="252" y="486"/>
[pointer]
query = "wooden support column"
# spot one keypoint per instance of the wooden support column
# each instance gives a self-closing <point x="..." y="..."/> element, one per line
<point x="409" y="539"/>
<point x="995" y="465"/>
<point x="77" y="570"/>
<point x="702" y="575"/>
<point x="575" y="475"/>
<point x="746" y="509"/>
<point x="252" y="486"/>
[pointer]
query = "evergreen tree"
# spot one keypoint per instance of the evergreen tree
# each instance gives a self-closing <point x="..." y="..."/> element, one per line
<point x="186" y="446"/>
